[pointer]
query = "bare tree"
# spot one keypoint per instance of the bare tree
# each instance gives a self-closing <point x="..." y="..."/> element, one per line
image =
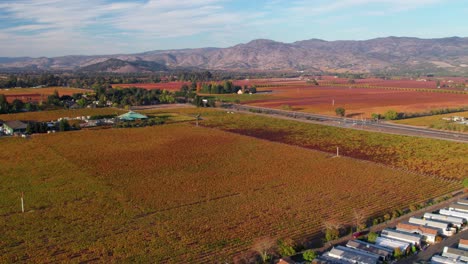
<point x="359" y="219"/>
<point x="332" y="230"/>
<point x="264" y="246"/>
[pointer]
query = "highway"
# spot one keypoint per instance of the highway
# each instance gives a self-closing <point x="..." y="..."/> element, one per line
<point x="359" y="124"/>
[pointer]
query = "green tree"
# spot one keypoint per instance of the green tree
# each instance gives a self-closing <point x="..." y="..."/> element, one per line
<point x="53" y="99"/>
<point x="166" y="98"/>
<point x="4" y="106"/>
<point x="372" y="237"/>
<point x="253" y="89"/>
<point x="387" y="217"/>
<point x="397" y="253"/>
<point x="395" y="214"/>
<point x="29" y="129"/>
<point x="17" y="105"/>
<point x="375" y="116"/>
<point x="340" y="111"/>
<point x="465" y="183"/>
<point x="391" y="115"/>
<point x="81" y="102"/>
<point x="309" y="255"/>
<point x="286" y="248"/>
<point x="64" y="125"/>
<point x="332" y="231"/>
<point x="375" y="221"/>
<point x="227" y="87"/>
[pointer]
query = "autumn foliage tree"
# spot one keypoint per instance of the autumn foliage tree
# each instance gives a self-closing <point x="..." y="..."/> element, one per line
<point x="332" y="230"/>
<point x="340" y="111"/>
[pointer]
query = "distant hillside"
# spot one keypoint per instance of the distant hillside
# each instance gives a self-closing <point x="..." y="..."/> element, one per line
<point x="121" y="66"/>
<point x="375" y="55"/>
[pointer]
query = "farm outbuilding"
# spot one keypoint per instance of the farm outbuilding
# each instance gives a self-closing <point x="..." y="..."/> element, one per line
<point x="459" y="207"/>
<point x="455" y="253"/>
<point x="392" y="244"/>
<point x="353" y="255"/>
<point x="413" y="239"/>
<point x="383" y="252"/>
<point x="436" y="259"/>
<point x="455" y="221"/>
<point x="463" y="201"/>
<point x="429" y="234"/>
<point x="443" y="226"/>
<point x="454" y="213"/>
<point x="12" y="127"/>
<point x="132" y="116"/>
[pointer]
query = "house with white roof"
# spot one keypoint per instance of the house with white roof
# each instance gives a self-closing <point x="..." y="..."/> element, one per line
<point x="455" y="253"/>
<point x="443" y="226"/>
<point x="449" y="212"/>
<point x="455" y="221"/>
<point x="413" y="239"/>
<point x="353" y="256"/>
<point x="393" y="244"/>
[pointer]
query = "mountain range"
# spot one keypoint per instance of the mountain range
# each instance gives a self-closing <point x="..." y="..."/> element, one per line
<point x="374" y="55"/>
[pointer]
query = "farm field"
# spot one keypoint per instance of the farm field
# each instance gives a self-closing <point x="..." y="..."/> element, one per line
<point x="241" y="97"/>
<point x="436" y="122"/>
<point x="361" y="99"/>
<point x="180" y="193"/>
<point x="404" y="152"/>
<point x="170" y="86"/>
<point x="37" y="94"/>
<point x="358" y="102"/>
<point x="55" y="114"/>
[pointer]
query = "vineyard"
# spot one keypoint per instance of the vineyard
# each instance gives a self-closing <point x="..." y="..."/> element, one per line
<point x="404" y="152"/>
<point x="169" y="86"/>
<point x="55" y="114"/>
<point x="37" y="94"/>
<point x="181" y="193"/>
<point x="436" y="122"/>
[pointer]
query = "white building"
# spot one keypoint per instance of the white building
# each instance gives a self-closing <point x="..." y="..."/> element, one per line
<point x="459" y="207"/>
<point x="436" y="259"/>
<point x="392" y="244"/>
<point x="443" y="226"/>
<point x="449" y="212"/>
<point x="402" y="236"/>
<point x="429" y="234"/>
<point x="455" y="253"/>
<point x="455" y="221"/>
<point x="353" y="255"/>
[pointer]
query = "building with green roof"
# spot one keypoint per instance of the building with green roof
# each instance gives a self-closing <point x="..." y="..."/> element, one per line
<point x="132" y="116"/>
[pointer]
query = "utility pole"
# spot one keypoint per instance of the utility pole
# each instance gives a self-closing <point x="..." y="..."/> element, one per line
<point x="22" y="202"/>
<point x="198" y="118"/>
<point x="337" y="151"/>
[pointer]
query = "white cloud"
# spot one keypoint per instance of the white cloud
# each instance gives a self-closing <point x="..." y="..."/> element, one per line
<point x="68" y="22"/>
<point x="324" y="7"/>
<point x="57" y="27"/>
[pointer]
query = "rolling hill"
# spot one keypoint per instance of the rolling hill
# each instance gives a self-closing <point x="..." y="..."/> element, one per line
<point x="375" y="55"/>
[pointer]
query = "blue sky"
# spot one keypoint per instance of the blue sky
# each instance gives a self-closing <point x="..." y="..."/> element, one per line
<point x="74" y="27"/>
